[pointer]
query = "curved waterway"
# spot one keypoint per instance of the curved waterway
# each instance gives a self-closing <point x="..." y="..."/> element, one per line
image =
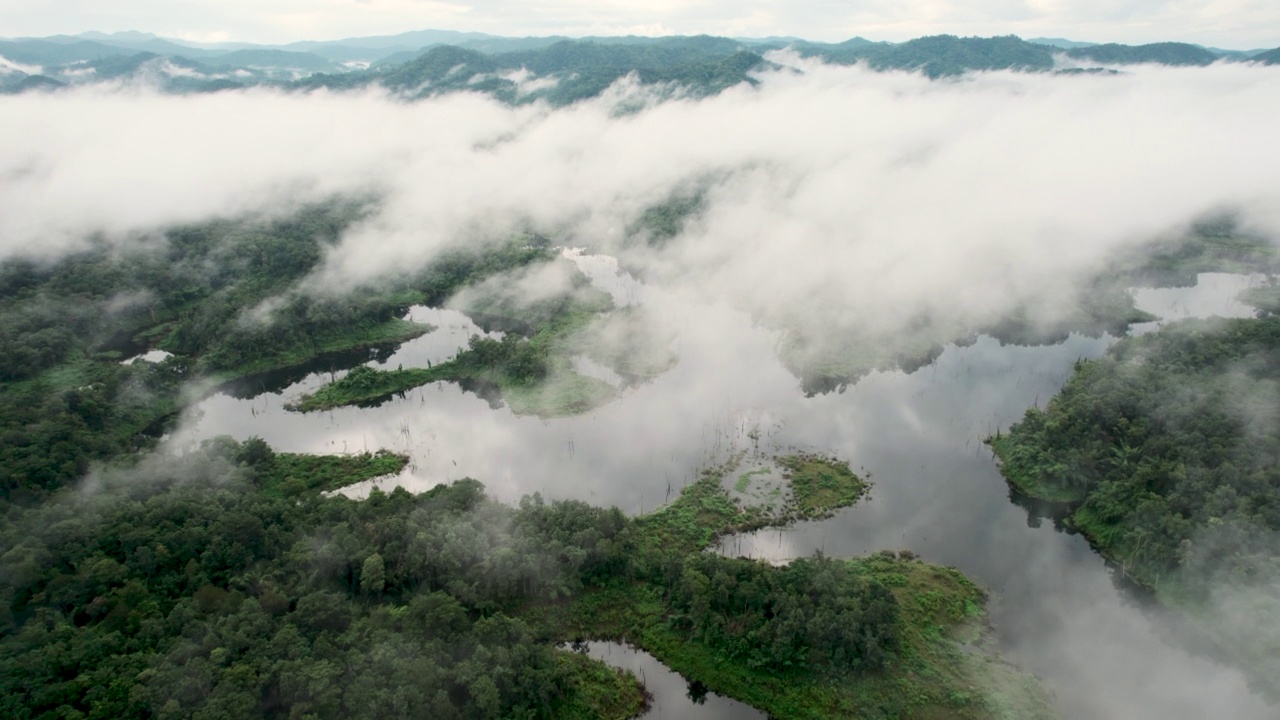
<point x="671" y="696"/>
<point x="1056" y="607"/>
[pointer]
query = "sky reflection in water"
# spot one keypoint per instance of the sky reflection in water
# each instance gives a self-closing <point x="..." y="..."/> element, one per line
<point x="936" y="490"/>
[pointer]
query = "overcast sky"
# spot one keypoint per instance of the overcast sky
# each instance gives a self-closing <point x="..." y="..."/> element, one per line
<point x="1240" y="24"/>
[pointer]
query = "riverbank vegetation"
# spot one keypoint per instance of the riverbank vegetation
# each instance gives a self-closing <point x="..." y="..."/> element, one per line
<point x="530" y="367"/>
<point x="1163" y="453"/>
<point x="215" y="585"/>
<point x="826" y="357"/>
<point x="226" y="298"/>
<point x="193" y="586"/>
<point x="821" y="485"/>
<point x="881" y="637"/>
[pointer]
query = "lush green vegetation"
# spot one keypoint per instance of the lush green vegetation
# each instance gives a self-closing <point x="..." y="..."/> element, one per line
<point x="194" y="587"/>
<point x="821" y="485"/>
<point x="1214" y="244"/>
<point x="878" y="637"/>
<point x="1265" y="298"/>
<point x="659" y="223"/>
<point x="533" y="374"/>
<point x="1164" y="53"/>
<point x="1164" y="452"/>
<point x="704" y="511"/>
<point x="579" y="69"/>
<point x="223" y="584"/>
<point x="226" y="297"/>
<point x="292" y="474"/>
<point x="940" y="55"/>
<point x="943" y="664"/>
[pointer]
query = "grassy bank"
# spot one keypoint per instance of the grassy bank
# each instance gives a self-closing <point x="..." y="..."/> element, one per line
<point x="821" y="485"/>
<point x="387" y="332"/>
<point x="535" y="375"/>
<point x="946" y="665"/>
<point x="940" y="661"/>
<point x="291" y="474"/>
<point x="704" y="511"/>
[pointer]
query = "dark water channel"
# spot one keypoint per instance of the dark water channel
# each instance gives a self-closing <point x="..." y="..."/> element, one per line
<point x="1056" y="607"/>
<point x="671" y="696"/>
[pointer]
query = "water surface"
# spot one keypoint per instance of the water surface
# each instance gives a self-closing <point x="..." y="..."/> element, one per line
<point x="672" y="697"/>
<point x="1057" y="609"/>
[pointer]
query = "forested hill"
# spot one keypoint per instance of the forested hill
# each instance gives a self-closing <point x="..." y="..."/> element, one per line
<point x="557" y="70"/>
<point x="1167" y="53"/>
<point x="562" y="73"/>
<point x="1270" y="57"/>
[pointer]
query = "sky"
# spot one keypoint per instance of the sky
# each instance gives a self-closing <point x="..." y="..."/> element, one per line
<point x="1232" y="24"/>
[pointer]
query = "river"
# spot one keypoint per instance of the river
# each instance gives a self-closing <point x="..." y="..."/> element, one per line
<point x="1057" y="609"/>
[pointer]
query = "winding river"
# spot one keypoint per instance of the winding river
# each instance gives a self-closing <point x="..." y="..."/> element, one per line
<point x="1057" y="609"/>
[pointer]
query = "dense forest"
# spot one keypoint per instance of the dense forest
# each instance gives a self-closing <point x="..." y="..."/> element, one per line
<point x="223" y="584"/>
<point x="212" y="587"/>
<point x="200" y="293"/>
<point x="228" y="582"/>
<point x="1164" y="453"/>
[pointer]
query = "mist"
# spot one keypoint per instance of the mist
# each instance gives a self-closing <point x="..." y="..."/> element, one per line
<point x="885" y="196"/>
<point x="831" y="201"/>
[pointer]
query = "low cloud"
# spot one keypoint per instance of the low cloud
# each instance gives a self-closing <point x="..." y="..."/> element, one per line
<point x="865" y="199"/>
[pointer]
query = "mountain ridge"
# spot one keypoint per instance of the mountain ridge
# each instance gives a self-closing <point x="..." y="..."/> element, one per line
<point x="566" y="69"/>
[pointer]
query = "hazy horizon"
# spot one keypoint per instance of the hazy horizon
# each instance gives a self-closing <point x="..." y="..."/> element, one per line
<point x="133" y="35"/>
<point x="1239" y="26"/>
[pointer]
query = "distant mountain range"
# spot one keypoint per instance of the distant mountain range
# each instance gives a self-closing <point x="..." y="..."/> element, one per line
<point x="559" y="70"/>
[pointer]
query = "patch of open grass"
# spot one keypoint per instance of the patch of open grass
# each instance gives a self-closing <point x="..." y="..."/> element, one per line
<point x="744" y="480"/>
<point x="821" y="485"/>
<point x="701" y="514"/>
<point x="289" y="474"/>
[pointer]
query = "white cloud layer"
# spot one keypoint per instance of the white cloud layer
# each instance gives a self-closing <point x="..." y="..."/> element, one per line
<point x="884" y="195"/>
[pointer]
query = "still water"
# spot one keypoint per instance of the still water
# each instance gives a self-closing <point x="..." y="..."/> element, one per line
<point x="1057" y="610"/>
<point x="672" y="697"/>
